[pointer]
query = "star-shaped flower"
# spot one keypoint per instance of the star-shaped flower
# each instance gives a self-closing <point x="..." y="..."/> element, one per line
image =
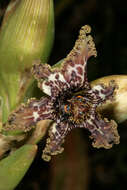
<point x="70" y="101"/>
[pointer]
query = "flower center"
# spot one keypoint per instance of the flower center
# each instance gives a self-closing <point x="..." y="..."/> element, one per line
<point x="76" y="109"/>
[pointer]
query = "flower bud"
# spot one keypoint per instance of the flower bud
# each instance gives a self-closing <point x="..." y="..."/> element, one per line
<point x="26" y="34"/>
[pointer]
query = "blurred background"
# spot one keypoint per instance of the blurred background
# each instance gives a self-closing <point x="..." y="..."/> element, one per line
<point x="82" y="167"/>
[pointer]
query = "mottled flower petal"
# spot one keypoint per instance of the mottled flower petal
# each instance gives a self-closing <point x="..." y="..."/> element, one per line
<point x="103" y="132"/>
<point x="74" y="65"/>
<point x="103" y="93"/>
<point x="57" y="134"/>
<point x="51" y="81"/>
<point x="28" y="115"/>
<point x="72" y="73"/>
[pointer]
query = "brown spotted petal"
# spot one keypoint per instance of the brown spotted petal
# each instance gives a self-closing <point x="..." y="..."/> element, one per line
<point x="74" y="65"/>
<point x="72" y="73"/>
<point x="50" y="81"/>
<point x="103" y="132"/>
<point x="28" y="115"/>
<point x="102" y="93"/>
<point x="57" y="134"/>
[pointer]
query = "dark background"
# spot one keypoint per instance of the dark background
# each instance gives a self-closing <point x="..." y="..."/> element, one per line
<point x="82" y="167"/>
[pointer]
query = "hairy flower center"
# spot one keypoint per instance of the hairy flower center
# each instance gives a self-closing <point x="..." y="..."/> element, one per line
<point x="76" y="109"/>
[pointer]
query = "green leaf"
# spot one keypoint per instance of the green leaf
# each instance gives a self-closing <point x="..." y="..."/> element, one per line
<point x="14" y="167"/>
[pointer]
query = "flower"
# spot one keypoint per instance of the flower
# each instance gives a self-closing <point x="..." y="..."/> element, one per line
<point x="70" y="101"/>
